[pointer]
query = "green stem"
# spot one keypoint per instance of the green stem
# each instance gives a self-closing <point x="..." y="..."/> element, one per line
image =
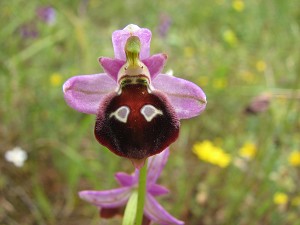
<point x="141" y="195"/>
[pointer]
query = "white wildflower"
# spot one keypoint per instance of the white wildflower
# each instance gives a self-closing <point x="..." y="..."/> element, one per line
<point x="17" y="156"/>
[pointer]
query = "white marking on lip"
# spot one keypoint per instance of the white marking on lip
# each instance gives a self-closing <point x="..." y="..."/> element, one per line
<point x="121" y="114"/>
<point x="149" y="112"/>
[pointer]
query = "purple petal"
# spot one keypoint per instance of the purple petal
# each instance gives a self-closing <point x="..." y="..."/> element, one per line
<point x="155" y="212"/>
<point x="109" y="199"/>
<point x="157" y="190"/>
<point x="111" y="66"/>
<point x="119" y="38"/>
<point x="155" y="64"/>
<point x="156" y="164"/>
<point x="84" y="93"/>
<point x="186" y="97"/>
<point x="125" y="179"/>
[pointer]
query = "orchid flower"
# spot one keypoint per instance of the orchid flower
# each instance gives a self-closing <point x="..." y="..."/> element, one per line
<point x="138" y="107"/>
<point x="110" y="201"/>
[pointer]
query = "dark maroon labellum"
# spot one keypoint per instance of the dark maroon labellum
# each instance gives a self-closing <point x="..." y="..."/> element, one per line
<point x="135" y="123"/>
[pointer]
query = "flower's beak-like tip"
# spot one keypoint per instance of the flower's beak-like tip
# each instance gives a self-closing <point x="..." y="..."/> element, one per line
<point x="203" y="103"/>
<point x="202" y="99"/>
<point x="66" y="86"/>
<point x="138" y="163"/>
<point x="103" y="61"/>
<point x="100" y="59"/>
<point x="165" y="56"/>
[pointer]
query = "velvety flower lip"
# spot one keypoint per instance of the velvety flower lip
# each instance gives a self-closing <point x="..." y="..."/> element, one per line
<point x="116" y="198"/>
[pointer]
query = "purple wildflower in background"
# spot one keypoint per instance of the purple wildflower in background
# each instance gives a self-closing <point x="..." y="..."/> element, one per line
<point x="28" y="31"/>
<point x="164" y="25"/>
<point x="112" y="202"/>
<point x="46" y="14"/>
<point x="138" y="108"/>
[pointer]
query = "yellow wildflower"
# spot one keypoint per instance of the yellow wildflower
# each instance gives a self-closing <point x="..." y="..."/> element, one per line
<point x="238" y="5"/>
<point x="248" y="150"/>
<point x="189" y="52"/>
<point x="210" y="153"/>
<point x="203" y="81"/>
<point x="280" y="198"/>
<point x="55" y="79"/>
<point x="248" y="77"/>
<point x="219" y="83"/>
<point x="230" y="37"/>
<point x="261" y="66"/>
<point x="294" y="158"/>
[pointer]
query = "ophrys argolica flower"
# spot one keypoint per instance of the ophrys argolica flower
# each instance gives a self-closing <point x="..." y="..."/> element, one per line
<point x="138" y="108"/>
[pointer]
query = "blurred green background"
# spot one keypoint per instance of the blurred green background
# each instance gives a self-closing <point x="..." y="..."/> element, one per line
<point x="245" y="56"/>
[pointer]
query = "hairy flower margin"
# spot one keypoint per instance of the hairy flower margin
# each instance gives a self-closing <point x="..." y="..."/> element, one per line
<point x="138" y="107"/>
<point x="112" y="202"/>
